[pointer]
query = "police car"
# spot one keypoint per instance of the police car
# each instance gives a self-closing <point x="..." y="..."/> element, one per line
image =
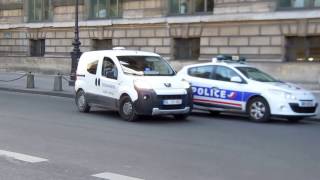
<point x="131" y="82"/>
<point x="228" y="84"/>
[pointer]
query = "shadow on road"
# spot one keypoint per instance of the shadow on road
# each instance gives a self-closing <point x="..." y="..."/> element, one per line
<point x="244" y="118"/>
<point x="114" y="116"/>
<point x="194" y="117"/>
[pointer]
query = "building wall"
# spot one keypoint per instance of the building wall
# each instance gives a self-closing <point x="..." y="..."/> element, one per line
<point x="251" y="28"/>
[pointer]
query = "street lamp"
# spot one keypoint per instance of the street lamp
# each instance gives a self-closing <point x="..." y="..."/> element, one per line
<point x="76" y="53"/>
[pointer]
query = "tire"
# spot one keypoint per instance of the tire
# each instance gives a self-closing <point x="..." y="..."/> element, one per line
<point x="258" y="110"/>
<point x="126" y="109"/>
<point x="81" y="102"/>
<point x="295" y="119"/>
<point x="214" y="113"/>
<point x="181" y="116"/>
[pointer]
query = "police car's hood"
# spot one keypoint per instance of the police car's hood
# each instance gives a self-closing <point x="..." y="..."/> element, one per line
<point x="285" y="86"/>
<point x="288" y="87"/>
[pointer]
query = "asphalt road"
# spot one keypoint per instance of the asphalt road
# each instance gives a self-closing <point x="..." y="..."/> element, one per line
<point x="78" y="145"/>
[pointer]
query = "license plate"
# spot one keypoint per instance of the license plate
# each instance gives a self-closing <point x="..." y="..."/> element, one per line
<point x="306" y="104"/>
<point x="172" y="102"/>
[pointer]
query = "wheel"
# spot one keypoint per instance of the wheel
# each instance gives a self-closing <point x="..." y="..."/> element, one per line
<point x="181" y="116"/>
<point x="81" y="102"/>
<point x="214" y="113"/>
<point x="126" y="109"/>
<point x="294" y="119"/>
<point x="258" y="110"/>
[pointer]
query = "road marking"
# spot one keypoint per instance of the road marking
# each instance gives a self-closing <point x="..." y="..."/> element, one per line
<point x="112" y="176"/>
<point x="22" y="157"/>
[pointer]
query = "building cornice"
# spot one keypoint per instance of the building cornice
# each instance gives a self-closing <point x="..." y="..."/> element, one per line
<point x="283" y="15"/>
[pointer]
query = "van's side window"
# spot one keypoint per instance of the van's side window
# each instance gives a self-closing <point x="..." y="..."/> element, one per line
<point x="92" y="67"/>
<point x="109" y="69"/>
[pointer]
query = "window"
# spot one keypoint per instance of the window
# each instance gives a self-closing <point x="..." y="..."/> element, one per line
<point x="92" y="67"/>
<point x="256" y="74"/>
<point x="224" y="74"/>
<point x="37" y="47"/>
<point x="105" y="8"/>
<point x="38" y="10"/>
<point x="109" y="69"/>
<point x="286" y="4"/>
<point x="145" y="66"/>
<point x="186" y="48"/>
<point x="102" y="44"/>
<point x="190" y="6"/>
<point x="303" y="49"/>
<point x="205" y="72"/>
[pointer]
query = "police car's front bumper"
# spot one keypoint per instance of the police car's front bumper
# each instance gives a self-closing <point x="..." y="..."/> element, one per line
<point x="150" y="103"/>
<point x="294" y="109"/>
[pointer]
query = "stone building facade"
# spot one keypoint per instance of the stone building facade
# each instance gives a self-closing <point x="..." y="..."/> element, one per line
<point x="280" y="36"/>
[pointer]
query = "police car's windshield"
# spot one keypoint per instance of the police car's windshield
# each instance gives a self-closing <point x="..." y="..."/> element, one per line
<point x="256" y="74"/>
<point x="145" y="66"/>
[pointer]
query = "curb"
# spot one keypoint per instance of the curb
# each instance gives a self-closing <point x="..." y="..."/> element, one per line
<point x="39" y="92"/>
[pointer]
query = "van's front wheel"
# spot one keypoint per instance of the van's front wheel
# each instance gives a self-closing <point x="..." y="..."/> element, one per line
<point x="126" y="109"/>
<point x="81" y="102"/>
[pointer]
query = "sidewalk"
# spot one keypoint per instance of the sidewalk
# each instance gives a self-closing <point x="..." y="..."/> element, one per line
<point x="44" y="86"/>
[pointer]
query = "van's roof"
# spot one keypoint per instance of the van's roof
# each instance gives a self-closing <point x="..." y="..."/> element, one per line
<point x="121" y="53"/>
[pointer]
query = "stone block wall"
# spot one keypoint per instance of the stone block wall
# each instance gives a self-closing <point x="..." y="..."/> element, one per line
<point x="144" y="9"/>
<point x="244" y="6"/>
<point x="11" y="11"/>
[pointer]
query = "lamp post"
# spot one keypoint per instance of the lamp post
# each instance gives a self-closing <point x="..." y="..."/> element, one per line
<point x="76" y="53"/>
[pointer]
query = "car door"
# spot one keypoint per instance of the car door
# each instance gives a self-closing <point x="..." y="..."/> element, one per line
<point x="108" y="83"/>
<point x="229" y="88"/>
<point x="201" y="78"/>
<point x="91" y="88"/>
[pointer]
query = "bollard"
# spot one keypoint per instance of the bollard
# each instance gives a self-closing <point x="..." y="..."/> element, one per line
<point x="30" y="81"/>
<point x="57" y="84"/>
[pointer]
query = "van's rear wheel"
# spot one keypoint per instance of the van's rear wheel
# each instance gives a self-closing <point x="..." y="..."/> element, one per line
<point x="126" y="109"/>
<point x="81" y="102"/>
<point x="258" y="110"/>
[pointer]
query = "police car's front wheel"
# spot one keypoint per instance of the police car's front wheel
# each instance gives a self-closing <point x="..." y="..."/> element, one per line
<point x="126" y="109"/>
<point x="258" y="110"/>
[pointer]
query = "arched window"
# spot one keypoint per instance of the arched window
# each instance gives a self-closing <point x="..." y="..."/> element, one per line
<point x="190" y="6"/>
<point x="100" y="9"/>
<point x="38" y="10"/>
<point x="287" y="4"/>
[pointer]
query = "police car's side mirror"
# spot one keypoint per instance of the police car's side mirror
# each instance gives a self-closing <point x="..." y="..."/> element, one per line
<point x="236" y="79"/>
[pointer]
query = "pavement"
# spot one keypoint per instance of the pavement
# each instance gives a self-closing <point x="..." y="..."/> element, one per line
<point x="44" y="85"/>
<point x="45" y="137"/>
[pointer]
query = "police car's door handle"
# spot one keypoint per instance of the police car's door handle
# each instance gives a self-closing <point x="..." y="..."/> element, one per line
<point x="215" y="88"/>
<point x="96" y="82"/>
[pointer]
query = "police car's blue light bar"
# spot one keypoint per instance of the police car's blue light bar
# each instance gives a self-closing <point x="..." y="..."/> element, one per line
<point x="228" y="58"/>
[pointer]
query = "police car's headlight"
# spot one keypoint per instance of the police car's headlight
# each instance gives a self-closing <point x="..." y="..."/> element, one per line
<point x="285" y="94"/>
<point x="142" y="85"/>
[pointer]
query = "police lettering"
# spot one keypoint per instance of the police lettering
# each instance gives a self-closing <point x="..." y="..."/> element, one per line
<point x="209" y="92"/>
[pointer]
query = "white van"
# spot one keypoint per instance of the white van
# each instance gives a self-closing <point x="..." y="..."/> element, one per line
<point x="131" y="82"/>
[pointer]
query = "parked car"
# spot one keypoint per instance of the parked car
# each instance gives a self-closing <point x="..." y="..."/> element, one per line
<point x="131" y="82"/>
<point x="229" y="84"/>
